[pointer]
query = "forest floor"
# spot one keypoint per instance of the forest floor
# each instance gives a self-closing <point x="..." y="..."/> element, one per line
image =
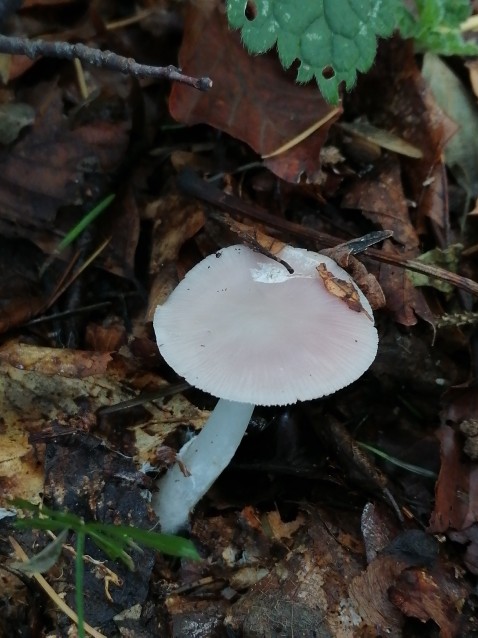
<point x="351" y="515"/>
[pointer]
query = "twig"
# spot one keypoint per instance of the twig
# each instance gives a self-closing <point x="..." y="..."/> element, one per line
<point x="103" y="59"/>
<point x="192" y="184"/>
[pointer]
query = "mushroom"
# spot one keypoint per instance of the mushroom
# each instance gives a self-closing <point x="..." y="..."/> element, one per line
<point x="244" y="329"/>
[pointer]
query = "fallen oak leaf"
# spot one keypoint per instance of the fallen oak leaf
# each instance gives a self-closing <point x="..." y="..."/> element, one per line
<point x="342" y="289"/>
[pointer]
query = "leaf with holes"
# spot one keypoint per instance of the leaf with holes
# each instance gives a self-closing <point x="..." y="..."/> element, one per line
<point x="331" y="39"/>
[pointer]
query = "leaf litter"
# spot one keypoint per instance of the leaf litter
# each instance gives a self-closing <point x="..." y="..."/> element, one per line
<point x="298" y="535"/>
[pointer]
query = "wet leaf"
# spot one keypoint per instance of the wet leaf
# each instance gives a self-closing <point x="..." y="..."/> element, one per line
<point x="50" y="166"/>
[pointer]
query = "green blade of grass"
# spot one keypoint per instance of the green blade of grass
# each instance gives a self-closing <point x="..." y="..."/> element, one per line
<point x="421" y="471"/>
<point x="84" y="223"/>
<point x="44" y="524"/>
<point x="112" y="547"/>
<point x="166" y="543"/>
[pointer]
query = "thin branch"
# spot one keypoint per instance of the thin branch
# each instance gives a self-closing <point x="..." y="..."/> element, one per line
<point x="103" y="59"/>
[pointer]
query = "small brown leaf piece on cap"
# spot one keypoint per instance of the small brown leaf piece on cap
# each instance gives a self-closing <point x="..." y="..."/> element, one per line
<point x="342" y="289"/>
<point x="367" y="282"/>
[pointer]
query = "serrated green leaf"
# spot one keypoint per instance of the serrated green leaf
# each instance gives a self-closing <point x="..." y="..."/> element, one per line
<point x="436" y="26"/>
<point x="331" y="39"/>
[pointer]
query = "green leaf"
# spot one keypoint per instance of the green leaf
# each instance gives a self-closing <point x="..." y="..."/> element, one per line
<point x="416" y="469"/>
<point x="112" y="539"/>
<point x="331" y="39"/>
<point x="435" y="26"/>
<point x="447" y="258"/>
<point x="166" y="543"/>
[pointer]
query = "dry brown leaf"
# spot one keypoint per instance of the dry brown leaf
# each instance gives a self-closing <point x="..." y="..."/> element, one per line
<point x="254" y="237"/>
<point x="404" y="301"/>
<point x="175" y="220"/>
<point x="407" y="108"/>
<point x="54" y="361"/>
<point x="379" y="195"/>
<point x="281" y="529"/>
<point x="253" y="98"/>
<point x="342" y="289"/>
<point x="456" y="492"/>
<point x="367" y="282"/>
<point x="31" y="402"/>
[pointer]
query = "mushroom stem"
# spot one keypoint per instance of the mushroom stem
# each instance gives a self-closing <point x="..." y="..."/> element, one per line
<point x="205" y="457"/>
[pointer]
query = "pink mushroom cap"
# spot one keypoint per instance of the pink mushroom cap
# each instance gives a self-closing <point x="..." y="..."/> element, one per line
<point x="242" y="328"/>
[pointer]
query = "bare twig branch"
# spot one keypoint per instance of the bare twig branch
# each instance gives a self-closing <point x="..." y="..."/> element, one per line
<point x="103" y="59"/>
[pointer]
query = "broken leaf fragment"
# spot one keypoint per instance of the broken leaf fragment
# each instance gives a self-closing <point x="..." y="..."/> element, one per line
<point x="382" y="138"/>
<point x="342" y="289"/>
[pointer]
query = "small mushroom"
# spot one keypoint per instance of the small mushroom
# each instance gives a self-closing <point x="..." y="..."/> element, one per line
<point x="244" y="329"/>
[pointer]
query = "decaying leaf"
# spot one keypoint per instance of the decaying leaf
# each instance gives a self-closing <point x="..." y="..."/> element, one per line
<point x="380" y="196"/>
<point x="37" y="408"/>
<point x="342" y="289"/>
<point x="437" y="596"/>
<point x="367" y="282"/>
<point x="383" y="139"/>
<point x="52" y="361"/>
<point x="404" y="301"/>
